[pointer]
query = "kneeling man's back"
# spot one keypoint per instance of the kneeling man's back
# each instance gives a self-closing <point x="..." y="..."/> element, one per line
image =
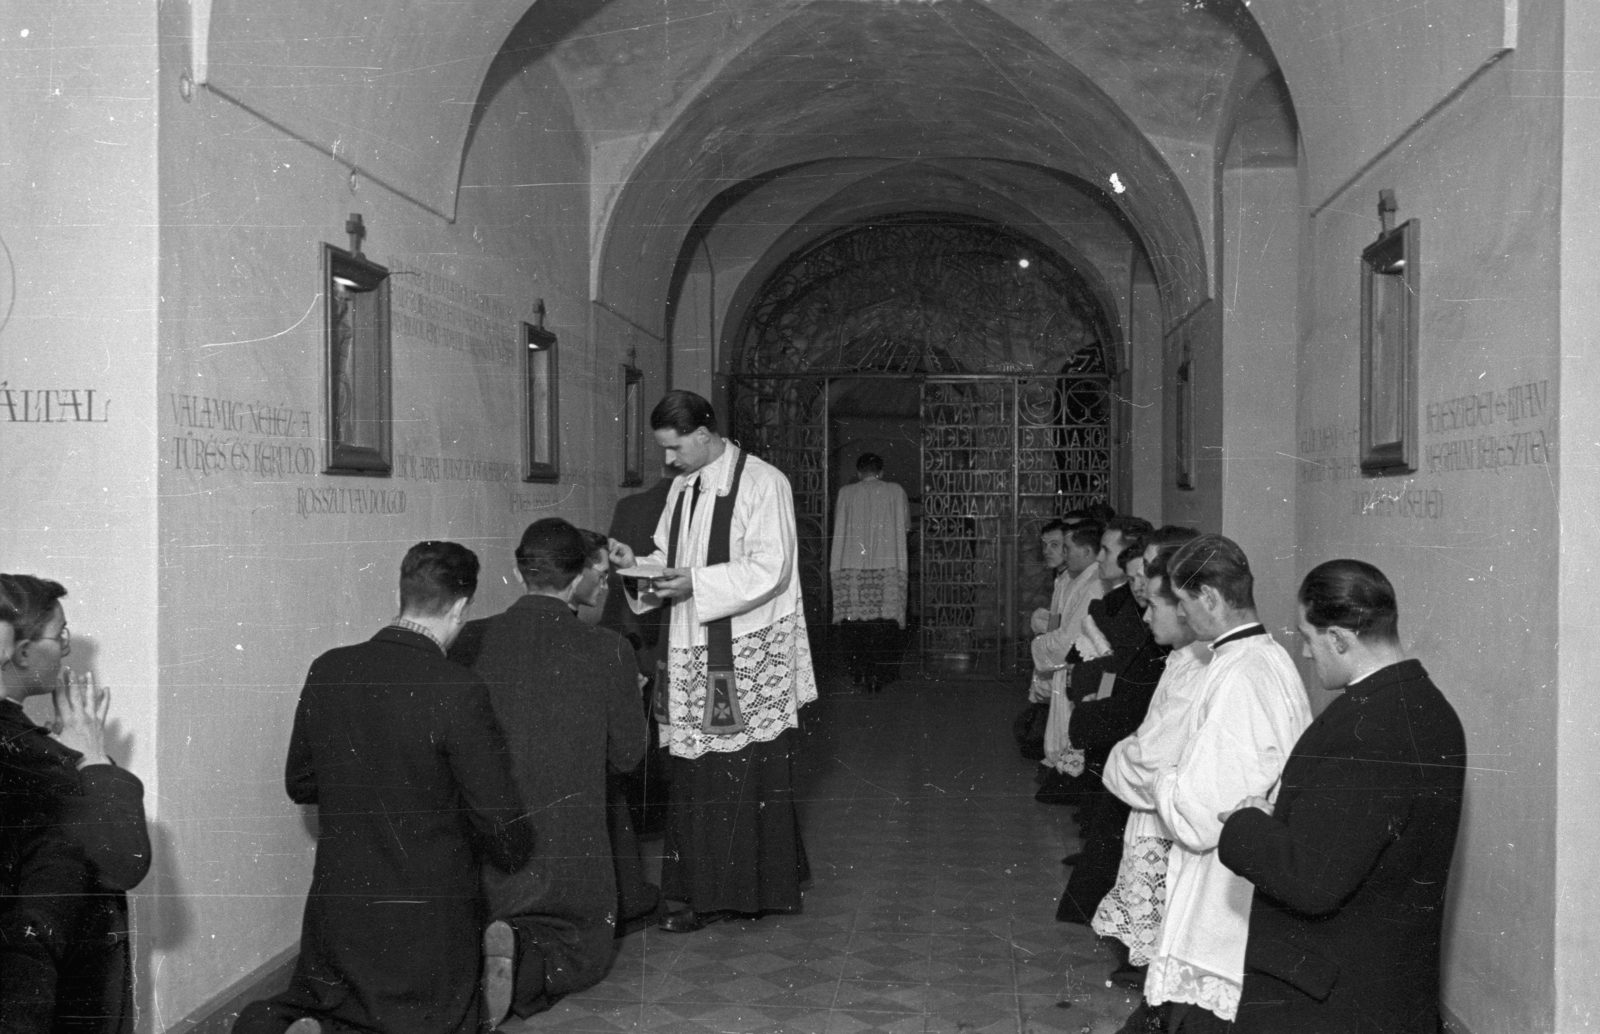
<point x="567" y="696"/>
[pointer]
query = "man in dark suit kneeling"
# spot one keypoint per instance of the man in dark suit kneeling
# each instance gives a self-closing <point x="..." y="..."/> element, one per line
<point x="399" y="750"/>
<point x="567" y="696"/>
<point x="1350" y="864"/>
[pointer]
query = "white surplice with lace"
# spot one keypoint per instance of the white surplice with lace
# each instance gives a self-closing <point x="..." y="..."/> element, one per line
<point x="1132" y="912"/>
<point x="1248" y="714"/>
<point x="758" y="587"/>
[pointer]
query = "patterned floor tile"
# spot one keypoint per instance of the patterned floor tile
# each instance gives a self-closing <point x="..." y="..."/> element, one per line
<point x="932" y="911"/>
<point x="881" y="996"/>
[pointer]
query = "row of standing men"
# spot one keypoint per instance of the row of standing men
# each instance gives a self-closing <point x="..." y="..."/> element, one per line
<point x="1259" y="869"/>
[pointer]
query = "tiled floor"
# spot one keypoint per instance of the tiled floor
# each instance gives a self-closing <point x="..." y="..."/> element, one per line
<point x="933" y="909"/>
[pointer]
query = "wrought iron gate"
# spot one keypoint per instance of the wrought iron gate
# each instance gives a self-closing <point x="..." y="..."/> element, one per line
<point x="1002" y="455"/>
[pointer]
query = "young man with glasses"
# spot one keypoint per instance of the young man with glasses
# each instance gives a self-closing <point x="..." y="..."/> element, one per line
<point x="77" y="839"/>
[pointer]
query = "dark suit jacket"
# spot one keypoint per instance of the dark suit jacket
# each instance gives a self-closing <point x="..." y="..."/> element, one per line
<point x="74" y="840"/>
<point x="1350" y="869"/>
<point x="399" y="750"/>
<point x="567" y="696"/>
<point x="1119" y="619"/>
<point x="634" y="522"/>
<point x="1137" y="664"/>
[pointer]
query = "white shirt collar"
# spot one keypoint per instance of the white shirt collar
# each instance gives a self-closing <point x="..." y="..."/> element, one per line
<point x="716" y="475"/>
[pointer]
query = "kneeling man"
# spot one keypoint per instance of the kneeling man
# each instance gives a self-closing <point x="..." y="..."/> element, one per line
<point x="1350" y="865"/>
<point x="567" y="696"/>
<point x="1248" y="711"/>
<point x="399" y="750"/>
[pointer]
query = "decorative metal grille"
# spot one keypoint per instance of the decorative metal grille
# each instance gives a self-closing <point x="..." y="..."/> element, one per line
<point x="1000" y="458"/>
<point x="968" y="507"/>
<point x="1016" y="408"/>
<point x="784" y="420"/>
<point x="925" y="292"/>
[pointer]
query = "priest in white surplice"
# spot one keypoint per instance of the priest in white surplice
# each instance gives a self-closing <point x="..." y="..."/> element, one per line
<point x="733" y="840"/>
<point x="868" y="569"/>
<point x="1247" y="715"/>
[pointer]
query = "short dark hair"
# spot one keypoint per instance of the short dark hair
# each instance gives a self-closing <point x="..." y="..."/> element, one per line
<point x="1056" y="525"/>
<point x="1351" y="594"/>
<point x="434" y="575"/>
<point x="1099" y="512"/>
<point x="683" y="412"/>
<point x="551" y="554"/>
<point x="31" y="602"/>
<point x="594" y="542"/>
<point x="1134" y="531"/>
<point x="1217" y="561"/>
<point x="8" y="607"/>
<point x="1167" y="539"/>
<point x="869" y="463"/>
<point x="1086" y="534"/>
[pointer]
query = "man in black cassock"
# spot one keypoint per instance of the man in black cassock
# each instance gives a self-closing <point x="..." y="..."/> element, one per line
<point x="567" y="696"/>
<point x="399" y="750"/>
<point x="1112" y="693"/>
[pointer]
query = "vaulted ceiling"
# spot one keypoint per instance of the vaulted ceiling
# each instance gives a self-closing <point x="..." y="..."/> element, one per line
<point x="1051" y="115"/>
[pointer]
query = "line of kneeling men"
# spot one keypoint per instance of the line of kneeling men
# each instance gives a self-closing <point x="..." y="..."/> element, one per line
<point x="1258" y="870"/>
<point x="462" y="847"/>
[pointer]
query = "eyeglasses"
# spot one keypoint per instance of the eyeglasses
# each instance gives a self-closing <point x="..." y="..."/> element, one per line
<point x="62" y="639"/>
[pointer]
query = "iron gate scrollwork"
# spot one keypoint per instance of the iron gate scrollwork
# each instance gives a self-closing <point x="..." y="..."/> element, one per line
<point x="784" y="420"/>
<point x="1002" y="456"/>
<point x="1014" y="353"/>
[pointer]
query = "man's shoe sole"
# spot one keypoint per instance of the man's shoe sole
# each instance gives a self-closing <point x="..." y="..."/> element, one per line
<point x="499" y="972"/>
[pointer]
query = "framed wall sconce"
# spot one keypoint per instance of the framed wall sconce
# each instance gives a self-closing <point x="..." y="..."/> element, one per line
<point x="632" y="426"/>
<point x="541" y="381"/>
<point x="358" y="391"/>
<point x="1390" y="316"/>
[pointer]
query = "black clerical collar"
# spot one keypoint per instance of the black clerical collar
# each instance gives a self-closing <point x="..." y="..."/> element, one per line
<point x="1239" y="633"/>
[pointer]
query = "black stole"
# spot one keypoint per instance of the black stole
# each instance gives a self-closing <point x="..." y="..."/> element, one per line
<point x="722" y="716"/>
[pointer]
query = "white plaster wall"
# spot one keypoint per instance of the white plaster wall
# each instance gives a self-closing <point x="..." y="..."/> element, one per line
<point x="1471" y="550"/>
<point x="1147" y="426"/>
<point x="78" y="335"/>
<point x="257" y="576"/>
<point x="1261" y="222"/>
<point x="1577" y="894"/>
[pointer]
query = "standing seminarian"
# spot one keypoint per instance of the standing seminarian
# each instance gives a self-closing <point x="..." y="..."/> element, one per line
<point x="738" y="667"/>
<point x="1351" y="863"/>
<point x="399" y="750"/>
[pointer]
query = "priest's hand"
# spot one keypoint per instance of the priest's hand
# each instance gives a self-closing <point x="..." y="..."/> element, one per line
<point x="675" y="584"/>
<point x="620" y="554"/>
<point x="1249" y="802"/>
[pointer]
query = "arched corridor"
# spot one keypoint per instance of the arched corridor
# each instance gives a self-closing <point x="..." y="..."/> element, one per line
<point x="933" y="909"/>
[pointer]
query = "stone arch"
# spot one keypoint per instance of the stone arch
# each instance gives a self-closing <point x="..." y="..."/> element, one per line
<point x="742" y="127"/>
<point x="933" y="292"/>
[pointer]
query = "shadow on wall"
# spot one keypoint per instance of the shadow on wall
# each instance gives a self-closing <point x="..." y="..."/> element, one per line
<point x="162" y="921"/>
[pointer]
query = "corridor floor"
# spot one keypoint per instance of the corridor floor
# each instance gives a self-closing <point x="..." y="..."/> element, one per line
<point x="936" y="877"/>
